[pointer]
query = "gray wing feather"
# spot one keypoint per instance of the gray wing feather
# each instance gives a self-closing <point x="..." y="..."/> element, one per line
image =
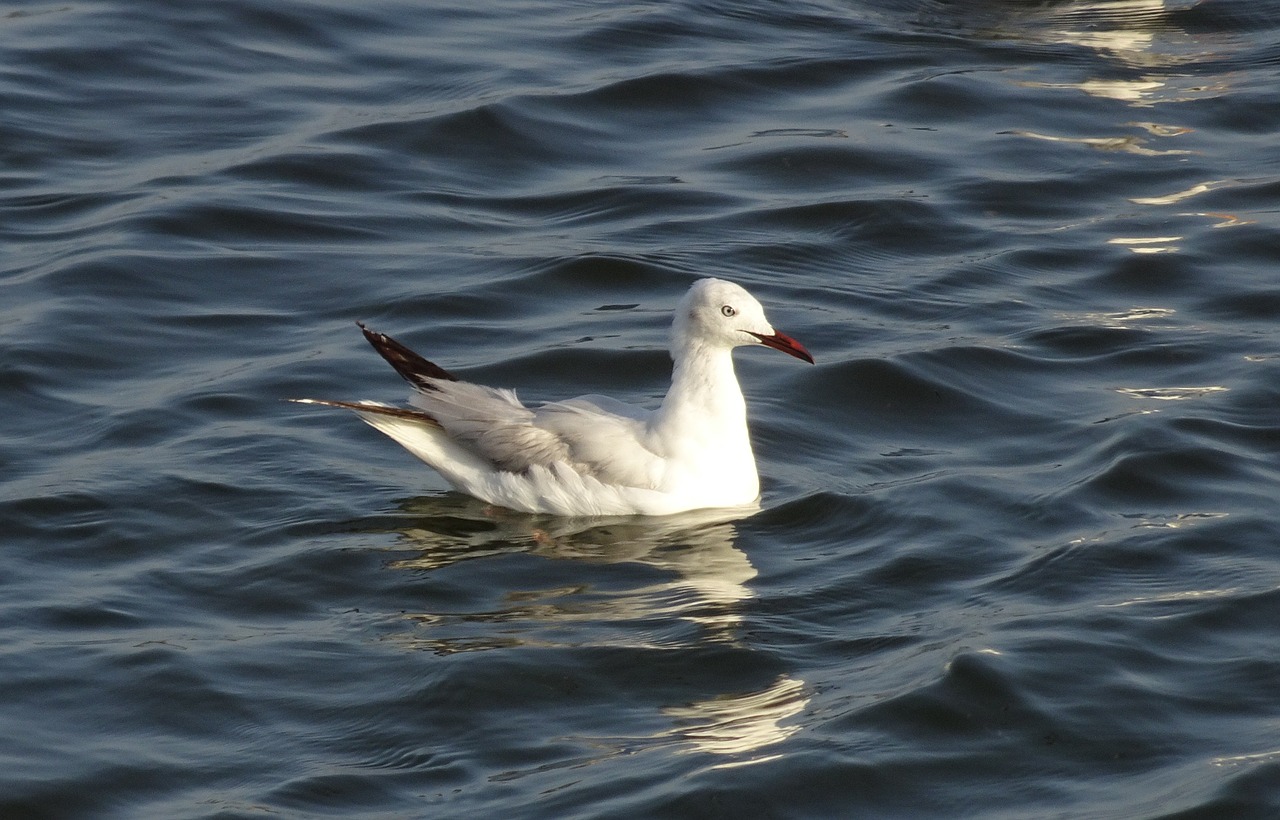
<point x="595" y="435"/>
<point x="492" y="423"/>
<point x="495" y="425"/>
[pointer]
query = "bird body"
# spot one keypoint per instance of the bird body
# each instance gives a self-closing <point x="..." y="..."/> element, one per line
<point x="593" y="455"/>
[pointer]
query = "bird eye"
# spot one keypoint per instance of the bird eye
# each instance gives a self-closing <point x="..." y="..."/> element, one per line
<point x="728" y="310"/>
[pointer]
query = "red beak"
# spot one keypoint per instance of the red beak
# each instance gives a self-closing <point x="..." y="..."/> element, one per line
<point x="783" y="342"/>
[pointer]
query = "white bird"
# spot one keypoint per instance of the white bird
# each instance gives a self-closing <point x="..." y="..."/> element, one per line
<point x="593" y="455"/>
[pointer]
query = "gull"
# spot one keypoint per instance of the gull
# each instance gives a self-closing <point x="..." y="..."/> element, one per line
<point x="594" y="455"/>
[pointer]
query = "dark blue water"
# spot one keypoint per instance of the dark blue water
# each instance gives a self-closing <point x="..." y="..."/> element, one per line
<point x="1019" y="547"/>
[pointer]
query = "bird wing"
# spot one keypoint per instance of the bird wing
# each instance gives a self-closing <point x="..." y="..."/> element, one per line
<point x="594" y="440"/>
<point x="495" y="425"/>
<point x="492" y="423"/>
<point x="607" y="443"/>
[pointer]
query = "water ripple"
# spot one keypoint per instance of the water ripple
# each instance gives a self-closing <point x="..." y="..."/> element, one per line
<point x="1015" y="554"/>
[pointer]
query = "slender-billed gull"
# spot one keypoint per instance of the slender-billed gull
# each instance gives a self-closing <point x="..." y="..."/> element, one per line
<point x="594" y="455"/>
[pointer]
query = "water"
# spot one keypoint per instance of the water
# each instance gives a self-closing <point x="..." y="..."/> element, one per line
<point x="1017" y="549"/>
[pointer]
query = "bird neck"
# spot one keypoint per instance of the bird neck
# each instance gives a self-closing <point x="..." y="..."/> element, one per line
<point x="701" y="430"/>
<point x="704" y="394"/>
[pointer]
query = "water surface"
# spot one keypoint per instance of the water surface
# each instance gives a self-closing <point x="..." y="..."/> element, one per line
<point x="1016" y="553"/>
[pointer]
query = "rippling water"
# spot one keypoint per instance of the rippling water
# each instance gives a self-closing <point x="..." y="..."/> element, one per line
<point x="1017" y="555"/>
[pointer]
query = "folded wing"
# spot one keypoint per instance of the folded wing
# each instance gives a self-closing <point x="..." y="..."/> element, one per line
<point x="600" y="439"/>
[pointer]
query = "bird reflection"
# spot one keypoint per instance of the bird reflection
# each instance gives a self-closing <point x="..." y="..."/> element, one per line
<point x="647" y="583"/>
<point x="741" y="722"/>
<point x="700" y="575"/>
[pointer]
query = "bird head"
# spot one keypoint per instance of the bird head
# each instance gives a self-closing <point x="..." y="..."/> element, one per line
<point x="721" y="314"/>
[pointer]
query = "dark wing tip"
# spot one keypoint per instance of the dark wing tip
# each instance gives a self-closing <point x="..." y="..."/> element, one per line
<point x="414" y="369"/>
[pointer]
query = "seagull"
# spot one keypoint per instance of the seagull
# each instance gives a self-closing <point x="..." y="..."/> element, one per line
<point x="594" y="455"/>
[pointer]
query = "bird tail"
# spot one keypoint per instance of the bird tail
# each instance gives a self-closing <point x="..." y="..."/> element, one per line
<point x="366" y="409"/>
<point x="420" y="434"/>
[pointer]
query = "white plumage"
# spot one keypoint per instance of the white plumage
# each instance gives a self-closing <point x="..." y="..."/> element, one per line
<point x="594" y="455"/>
